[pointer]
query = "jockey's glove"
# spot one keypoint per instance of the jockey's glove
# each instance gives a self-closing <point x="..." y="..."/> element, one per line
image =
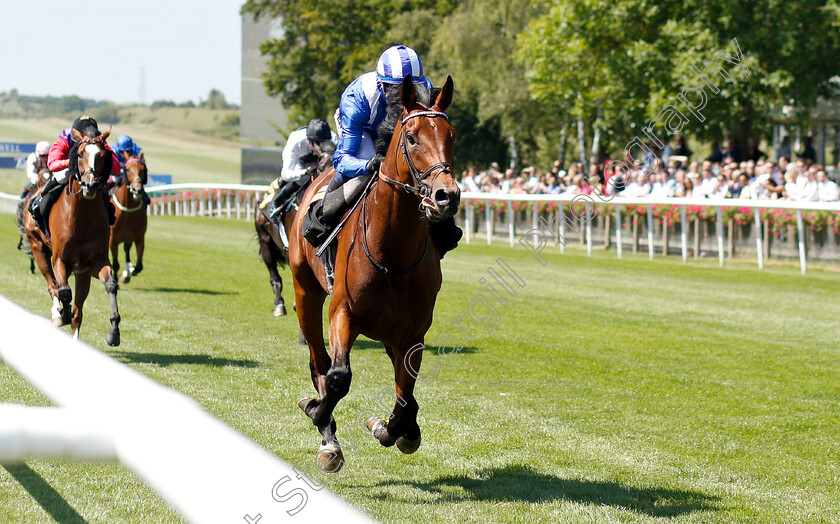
<point x="375" y="162"/>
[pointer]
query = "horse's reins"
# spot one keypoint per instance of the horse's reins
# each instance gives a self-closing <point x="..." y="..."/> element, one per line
<point x="423" y="191"/>
<point x="124" y="182"/>
<point x="77" y="176"/>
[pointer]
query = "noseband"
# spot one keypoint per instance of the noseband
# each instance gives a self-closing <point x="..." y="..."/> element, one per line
<point x="78" y="175"/>
<point x="423" y="191"/>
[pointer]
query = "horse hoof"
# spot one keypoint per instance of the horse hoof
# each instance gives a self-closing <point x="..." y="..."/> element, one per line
<point x="113" y="339"/>
<point x="375" y="425"/>
<point x="57" y="322"/>
<point x="280" y="310"/>
<point x="307" y="404"/>
<point x="125" y="277"/>
<point x="330" y="458"/>
<point x="294" y="306"/>
<point x="65" y="317"/>
<point x="408" y="446"/>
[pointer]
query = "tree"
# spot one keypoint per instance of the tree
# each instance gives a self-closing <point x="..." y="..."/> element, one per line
<point x="325" y="46"/>
<point x="632" y="59"/>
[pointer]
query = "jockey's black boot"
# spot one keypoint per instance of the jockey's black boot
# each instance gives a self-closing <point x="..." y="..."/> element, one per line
<point x="445" y="235"/>
<point x="26" y="190"/>
<point x="40" y="207"/>
<point x="109" y="207"/>
<point x="288" y="189"/>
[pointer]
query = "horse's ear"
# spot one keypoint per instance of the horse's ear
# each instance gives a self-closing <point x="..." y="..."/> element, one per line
<point x="444" y="98"/>
<point x="77" y="136"/>
<point x="408" y="95"/>
<point x="105" y="134"/>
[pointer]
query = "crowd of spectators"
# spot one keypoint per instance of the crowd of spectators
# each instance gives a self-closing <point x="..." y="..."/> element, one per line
<point x="670" y="172"/>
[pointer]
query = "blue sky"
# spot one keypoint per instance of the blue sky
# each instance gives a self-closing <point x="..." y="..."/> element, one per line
<point x="97" y="49"/>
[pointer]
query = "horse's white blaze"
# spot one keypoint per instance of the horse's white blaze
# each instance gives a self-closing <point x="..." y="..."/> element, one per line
<point x="91" y="150"/>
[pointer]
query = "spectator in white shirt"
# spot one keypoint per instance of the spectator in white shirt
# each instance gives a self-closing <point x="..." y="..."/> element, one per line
<point x="827" y="190"/>
<point x="639" y="187"/>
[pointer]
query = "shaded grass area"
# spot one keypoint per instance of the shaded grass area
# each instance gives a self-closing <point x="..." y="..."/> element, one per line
<point x="604" y="390"/>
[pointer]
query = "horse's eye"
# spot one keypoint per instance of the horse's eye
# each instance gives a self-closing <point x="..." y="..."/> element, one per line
<point x="410" y="138"/>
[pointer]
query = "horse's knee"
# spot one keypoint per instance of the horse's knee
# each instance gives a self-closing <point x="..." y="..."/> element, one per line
<point x="338" y="381"/>
<point x="111" y="285"/>
<point x="64" y="294"/>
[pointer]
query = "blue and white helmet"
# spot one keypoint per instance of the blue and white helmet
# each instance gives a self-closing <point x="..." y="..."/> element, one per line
<point x="398" y="61"/>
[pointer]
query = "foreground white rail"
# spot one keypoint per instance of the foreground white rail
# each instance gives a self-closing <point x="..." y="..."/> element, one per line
<point x="205" y="469"/>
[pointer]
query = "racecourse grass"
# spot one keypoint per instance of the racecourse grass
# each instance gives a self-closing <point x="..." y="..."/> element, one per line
<point x="177" y="151"/>
<point x="607" y="391"/>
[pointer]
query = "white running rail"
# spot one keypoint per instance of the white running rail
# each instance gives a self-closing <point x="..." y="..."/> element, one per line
<point x="107" y="411"/>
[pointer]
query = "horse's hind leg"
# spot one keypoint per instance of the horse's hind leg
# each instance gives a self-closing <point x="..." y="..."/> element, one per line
<point x="402" y="427"/>
<point x="309" y="307"/>
<point x="65" y="296"/>
<point x="82" y="289"/>
<point x="103" y="272"/>
<point x="41" y="256"/>
<point x="269" y="254"/>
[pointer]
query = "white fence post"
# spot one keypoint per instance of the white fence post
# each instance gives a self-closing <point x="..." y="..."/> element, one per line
<point x="618" y="245"/>
<point x="759" y="239"/>
<point x="650" y="231"/>
<point x="801" y="232"/>
<point x="468" y="220"/>
<point x="683" y="234"/>
<point x="720" y="234"/>
<point x="511" y="225"/>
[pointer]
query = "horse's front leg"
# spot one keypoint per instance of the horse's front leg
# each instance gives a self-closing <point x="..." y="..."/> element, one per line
<point x="139" y="246"/>
<point x="401" y="428"/>
<point x="337" y="385"/>
<point x="125" y="277"/>
<point x="115" y="255"/>
<point x="82" y="289"/>
<point x="63" y="293"/>
<point x="103" y="272"/>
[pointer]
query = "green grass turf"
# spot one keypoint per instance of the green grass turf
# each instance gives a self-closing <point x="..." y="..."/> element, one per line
<point x="610" y="390"/>
<point x="187" y="156"/>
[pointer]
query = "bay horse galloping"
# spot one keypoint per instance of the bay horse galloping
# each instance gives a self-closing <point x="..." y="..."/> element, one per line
<point x="387" y="270"/>
<point x="131" y="220"/>
<point x="78" y="224"/>
<point x="274" y="248"/>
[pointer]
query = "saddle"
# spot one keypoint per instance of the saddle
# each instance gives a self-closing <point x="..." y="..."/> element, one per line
<point x="325" y="209"/>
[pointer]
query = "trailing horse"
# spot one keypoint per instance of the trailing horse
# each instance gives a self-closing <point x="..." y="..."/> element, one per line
<point x="387" y="270"/>
<point x="79" y="236"/>
<point x="274" y="243"/>
<point x="130" y="225"/>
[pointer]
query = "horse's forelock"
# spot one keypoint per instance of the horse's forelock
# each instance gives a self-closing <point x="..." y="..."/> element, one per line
<point x="425" y="97"/>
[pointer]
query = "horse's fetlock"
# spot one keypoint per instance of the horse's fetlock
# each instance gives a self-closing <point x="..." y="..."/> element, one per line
<point x="111" y="285"/>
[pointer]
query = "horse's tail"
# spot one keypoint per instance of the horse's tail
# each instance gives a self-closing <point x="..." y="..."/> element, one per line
<point x="268" y="239"/>
<point x="23" y="245"/>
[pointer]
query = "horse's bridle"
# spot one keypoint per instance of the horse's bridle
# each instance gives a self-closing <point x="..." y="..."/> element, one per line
<point x="421" y="190"/>
<point x="78" y="175"/>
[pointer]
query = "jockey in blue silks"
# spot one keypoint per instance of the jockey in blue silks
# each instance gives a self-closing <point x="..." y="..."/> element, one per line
<point x="362" y="109"/>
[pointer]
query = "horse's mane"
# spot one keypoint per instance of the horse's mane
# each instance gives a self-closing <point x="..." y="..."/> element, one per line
<point x="73" y="158"/>
<point x="394" y="111"/>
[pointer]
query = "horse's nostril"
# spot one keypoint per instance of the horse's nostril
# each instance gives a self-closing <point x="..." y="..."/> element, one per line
<point x="441" y="197"/>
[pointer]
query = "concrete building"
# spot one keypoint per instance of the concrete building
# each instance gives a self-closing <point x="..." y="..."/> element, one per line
<point x="261" y="115"/>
